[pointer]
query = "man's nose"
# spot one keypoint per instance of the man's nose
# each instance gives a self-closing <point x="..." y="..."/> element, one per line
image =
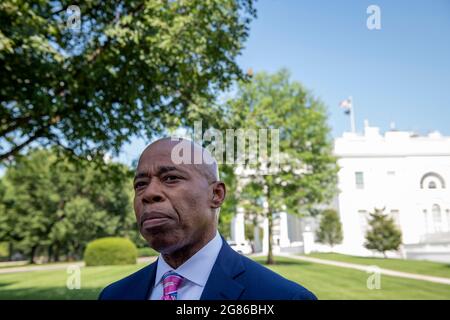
<point x="153" y="193"/>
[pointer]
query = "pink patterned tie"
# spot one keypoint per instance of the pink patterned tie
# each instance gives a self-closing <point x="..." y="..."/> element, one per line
<point x="171" y="283"/>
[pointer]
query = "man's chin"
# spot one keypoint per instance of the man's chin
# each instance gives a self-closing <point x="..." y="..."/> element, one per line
<point x="163" y="242"/>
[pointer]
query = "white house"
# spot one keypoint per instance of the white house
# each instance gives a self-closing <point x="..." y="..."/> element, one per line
<point x="407" y="174"/>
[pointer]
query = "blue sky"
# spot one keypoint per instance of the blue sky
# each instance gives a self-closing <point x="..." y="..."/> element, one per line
<point x="399" y="74"/>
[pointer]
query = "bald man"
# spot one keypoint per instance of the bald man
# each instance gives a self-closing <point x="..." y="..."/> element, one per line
<point x="177" y="200"/>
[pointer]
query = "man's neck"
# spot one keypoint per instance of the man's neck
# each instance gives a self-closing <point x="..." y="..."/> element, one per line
<point x="181" y="255"/>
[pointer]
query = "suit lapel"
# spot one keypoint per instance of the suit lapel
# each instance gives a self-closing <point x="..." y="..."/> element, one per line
<point x="143" y="284"/>
<point x="221" y="283"/>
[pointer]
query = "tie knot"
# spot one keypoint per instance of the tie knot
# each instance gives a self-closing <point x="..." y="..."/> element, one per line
<point x="171" y="283"/>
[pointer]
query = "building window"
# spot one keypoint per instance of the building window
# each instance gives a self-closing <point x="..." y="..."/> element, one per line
<point x="359" y="180"/>
<point x="437" y="218"/>
<point x="391" y="173"/>
<point x="432" y="180"/>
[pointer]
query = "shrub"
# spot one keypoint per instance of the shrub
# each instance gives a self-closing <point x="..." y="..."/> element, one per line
<point x="383" y="235"/>
<point x="147" y="252"/>
<point x="110" y="251"/>
<point x="330" y="229"/>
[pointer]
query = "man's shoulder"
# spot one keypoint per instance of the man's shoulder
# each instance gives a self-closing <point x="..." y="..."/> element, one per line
<point x="267" y="284"/>
<point x="132" y="287"/>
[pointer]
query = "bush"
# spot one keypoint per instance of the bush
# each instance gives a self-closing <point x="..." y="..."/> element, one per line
<point x="330" y="228"/>
<point x="383" y="235"/>
<point x="147" y="252"/>
<point x="110" y="251"/>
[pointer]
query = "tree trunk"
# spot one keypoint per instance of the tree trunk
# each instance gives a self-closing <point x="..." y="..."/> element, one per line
<point x="384" y="255"/>
<point x="78" y="252"/>
<point x="10" y="250"/>
<point x="56" y="254"/>
<point x="270" y="259"/>
<point x="32" y="253"/>
<point x="49" y="253"/>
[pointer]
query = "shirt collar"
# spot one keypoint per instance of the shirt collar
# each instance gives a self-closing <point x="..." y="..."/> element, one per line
<point x="198" y="267"/>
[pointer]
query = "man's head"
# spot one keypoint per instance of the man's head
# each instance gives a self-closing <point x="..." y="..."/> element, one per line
<point x="176" y="204"/>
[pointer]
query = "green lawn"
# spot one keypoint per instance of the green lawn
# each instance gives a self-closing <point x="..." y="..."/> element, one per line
<point x="51" y="284"/>
<point x="327" y="282"/>
<point x="413" y="266"/>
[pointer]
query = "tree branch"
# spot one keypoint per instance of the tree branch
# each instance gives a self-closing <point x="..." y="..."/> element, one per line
<point x="19" y="147"/>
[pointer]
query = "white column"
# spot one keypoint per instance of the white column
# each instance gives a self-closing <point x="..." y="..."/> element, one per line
<point x="238" y="226"/>
<point x="257" y="237"/>
<point x="308" y="241"/>
<point x="284" y="237"/>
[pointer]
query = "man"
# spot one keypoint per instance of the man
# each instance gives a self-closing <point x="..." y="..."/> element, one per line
<point x="177" y="205"/>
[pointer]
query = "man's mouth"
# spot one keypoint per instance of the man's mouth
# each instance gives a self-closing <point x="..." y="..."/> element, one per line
<point x="154" y="219"/>
<point x="155" y="222"/>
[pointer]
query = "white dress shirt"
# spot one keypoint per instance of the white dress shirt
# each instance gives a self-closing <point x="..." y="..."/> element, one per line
<point x="195" y="272"/>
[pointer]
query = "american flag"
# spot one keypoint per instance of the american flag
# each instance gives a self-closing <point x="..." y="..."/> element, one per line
<point x="346" y="105"/>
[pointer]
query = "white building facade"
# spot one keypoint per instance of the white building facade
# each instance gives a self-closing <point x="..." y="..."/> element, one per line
<point x="406" y="174"/>
<point x="403" y="173"/>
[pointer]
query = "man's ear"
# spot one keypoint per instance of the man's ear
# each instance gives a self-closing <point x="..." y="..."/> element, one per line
<point x="219" y="192"/>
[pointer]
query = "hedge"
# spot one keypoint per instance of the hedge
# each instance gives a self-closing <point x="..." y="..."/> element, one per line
<point x="147" y="252"/>
<point x="110" y="251"/>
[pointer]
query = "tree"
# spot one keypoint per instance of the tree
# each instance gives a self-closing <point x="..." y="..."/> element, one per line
<point x="33" y="202"/>
<point x="306" y="175"/>
<point x="131" y="68"/>
<point x="229" y="206"/>
<point x="4" y="247"/>
<point x="54" y="204"/>
<point x="383" y="234"/>
<point x="330" y="228"/>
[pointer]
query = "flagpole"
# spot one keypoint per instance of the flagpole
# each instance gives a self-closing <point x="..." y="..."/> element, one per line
<point x="352" y="115"/>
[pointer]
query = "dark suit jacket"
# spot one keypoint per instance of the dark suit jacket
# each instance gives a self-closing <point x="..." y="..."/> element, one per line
<point x="233" y="277"/>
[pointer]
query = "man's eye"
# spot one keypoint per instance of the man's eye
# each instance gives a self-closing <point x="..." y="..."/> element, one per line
<point x="171" y="179"/>
<point x="138" y="185"/>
